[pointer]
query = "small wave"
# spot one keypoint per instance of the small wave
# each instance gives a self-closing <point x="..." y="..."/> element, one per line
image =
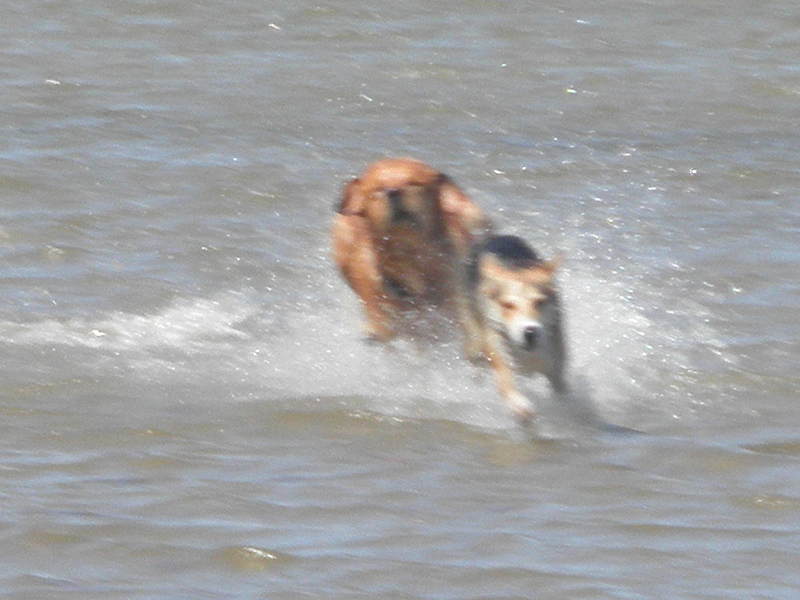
<point x="188" y="323"/>
<point x="624" y="358"/>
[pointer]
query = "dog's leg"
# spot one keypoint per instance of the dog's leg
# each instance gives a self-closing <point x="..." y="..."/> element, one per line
<point x="557" y="367"/>
<point x="378" y="308"/>
<point x="355" y="256"/>
<point x="520" y="406"/>
<point x="473" y="330"/>
<point x="557" y="381"/>
<point x="474" y="342"/>
<point x="468" y="317"/>
<point x="379" y="325"/>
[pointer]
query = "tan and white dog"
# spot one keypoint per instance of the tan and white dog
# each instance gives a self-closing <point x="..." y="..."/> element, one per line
<point x="401" y="236"/>
<point x="514" y="317"/>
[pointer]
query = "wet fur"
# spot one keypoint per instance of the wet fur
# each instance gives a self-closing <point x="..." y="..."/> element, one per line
<point x="401" y="235"/>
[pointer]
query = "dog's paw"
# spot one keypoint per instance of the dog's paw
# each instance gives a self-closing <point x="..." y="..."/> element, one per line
<point x="521" y="408"/>
<point x="378" y="334"/>
<point x="371" y="340"/>
<point x="473" y="351"/>
<point x="478" y="359"/>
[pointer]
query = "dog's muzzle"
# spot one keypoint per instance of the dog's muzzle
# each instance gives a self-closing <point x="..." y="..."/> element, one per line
<point x="399" y="213"/>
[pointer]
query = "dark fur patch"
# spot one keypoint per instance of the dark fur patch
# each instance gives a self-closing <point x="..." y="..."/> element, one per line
<point x="512" y="252"/>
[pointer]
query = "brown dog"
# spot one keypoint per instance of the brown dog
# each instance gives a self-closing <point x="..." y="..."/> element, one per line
<point x="400" y="236"/>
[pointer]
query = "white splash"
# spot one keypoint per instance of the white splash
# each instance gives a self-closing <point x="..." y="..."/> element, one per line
<point x="309" y="352"/>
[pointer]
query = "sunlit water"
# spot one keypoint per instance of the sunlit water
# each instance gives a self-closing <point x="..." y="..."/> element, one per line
<point x="188" y="408"/>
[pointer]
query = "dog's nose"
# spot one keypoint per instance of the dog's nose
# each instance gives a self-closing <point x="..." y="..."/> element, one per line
<point x="399" y="212"/>
<point x="530" y="334"/>
<point x="394" y="195"/>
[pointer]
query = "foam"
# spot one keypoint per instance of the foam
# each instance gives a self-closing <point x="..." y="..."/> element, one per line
<point x="187" y="323"/>
<point x="309" y="350"/>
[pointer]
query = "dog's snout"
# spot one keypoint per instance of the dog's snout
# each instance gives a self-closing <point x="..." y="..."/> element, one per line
<point x="530" y="335"/>
<point x="400" y="214"/>
<point x="394" y="194"/>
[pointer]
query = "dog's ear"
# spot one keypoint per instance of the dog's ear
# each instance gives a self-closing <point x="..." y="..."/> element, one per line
<point x="554" y="263"/>
<point x="453" y="201"/>
<point x="352" y="201"/>
<point x="469" y="220"/>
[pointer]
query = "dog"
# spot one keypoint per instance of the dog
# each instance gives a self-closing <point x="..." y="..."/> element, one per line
<point x="401" y="236"/>
<point x="514" y="318"/>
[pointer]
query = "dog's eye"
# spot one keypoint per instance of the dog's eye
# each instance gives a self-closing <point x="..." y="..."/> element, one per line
<point x="506" y="305"/>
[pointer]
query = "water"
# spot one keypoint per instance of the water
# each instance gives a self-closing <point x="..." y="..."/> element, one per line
<point x="187" y="408"/>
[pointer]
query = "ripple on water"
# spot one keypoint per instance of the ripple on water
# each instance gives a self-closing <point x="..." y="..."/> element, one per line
<point x="248" y="559"/>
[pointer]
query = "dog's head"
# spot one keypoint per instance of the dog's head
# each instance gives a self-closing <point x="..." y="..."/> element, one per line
<point x="398" y="195"/>
<point x="519" y="300"/>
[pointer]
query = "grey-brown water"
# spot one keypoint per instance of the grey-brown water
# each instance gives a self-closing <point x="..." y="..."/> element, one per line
<point x="187" y="409"/>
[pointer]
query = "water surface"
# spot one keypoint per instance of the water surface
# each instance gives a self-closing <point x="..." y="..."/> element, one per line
<point x="188" y="410"/>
